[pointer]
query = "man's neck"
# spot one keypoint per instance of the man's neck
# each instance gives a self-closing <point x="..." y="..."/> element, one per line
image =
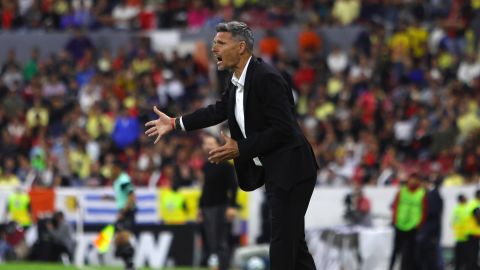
<point x="238" y="69"/>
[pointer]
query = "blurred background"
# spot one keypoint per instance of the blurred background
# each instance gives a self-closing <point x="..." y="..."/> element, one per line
<point x="386" y="91"/>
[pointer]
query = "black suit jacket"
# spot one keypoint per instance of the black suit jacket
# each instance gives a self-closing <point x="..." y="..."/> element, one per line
<point x="272" y="131"/>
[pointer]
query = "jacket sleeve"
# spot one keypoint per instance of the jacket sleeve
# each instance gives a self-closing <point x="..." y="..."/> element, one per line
<point x="280" y="120"/>
<point x="209" y="116"/>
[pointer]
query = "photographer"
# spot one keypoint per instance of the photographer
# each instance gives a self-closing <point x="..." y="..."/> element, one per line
<point x="62" y="235"/>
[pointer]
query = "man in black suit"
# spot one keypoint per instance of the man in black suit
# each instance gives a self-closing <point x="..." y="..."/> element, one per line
<point x="267" y="144"/>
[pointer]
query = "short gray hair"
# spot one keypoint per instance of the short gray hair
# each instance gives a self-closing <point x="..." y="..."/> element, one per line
<point x="240" y="32"/>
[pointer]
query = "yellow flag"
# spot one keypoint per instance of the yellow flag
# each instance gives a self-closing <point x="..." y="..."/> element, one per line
<point x="103" y="239"/>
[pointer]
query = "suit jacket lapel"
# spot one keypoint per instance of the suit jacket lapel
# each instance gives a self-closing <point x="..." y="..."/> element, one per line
<point x="247" y="86"/>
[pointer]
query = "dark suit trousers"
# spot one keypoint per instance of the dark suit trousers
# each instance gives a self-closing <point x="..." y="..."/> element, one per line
<point x="288" y="248"/>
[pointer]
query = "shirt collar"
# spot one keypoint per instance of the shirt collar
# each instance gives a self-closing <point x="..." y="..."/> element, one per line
<point x="241" y="81"/>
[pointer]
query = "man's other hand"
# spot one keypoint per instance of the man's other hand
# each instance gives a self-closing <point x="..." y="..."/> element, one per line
<point x="225" y="152"/>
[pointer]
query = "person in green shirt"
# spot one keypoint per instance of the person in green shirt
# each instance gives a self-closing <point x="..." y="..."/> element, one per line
<point x="126" y="204"/>
<point x="409" y="212"/>
<point x="31" y="67"/>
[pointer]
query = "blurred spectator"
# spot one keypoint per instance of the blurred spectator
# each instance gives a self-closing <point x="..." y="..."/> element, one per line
<point x="357" y="208"/>
<point x="33" y="15"/>
<point x="124" y="14"/>
<point x="8" y="15"/>
<point x="126" y="129"/>
<point x="269" y="45"/>
<point x="469" y="70"/>
<point x="172" y="205"/>
<point x="98" y="122"/>
<point x="184" y="175"/>
<point x="409" y="213"/>
<point x="12" y="77"/>
<point x="141" y="63"/>
<point x="429" y="235"/>
<point x="147" y="19"/>
<point x="346" y="11"/>
<point x="81" y="13"/>
<point x="337" y="60"/>
<point x="53" y="87"/>
<point x="360" y="73"/>
<point x="80" y="163"/>
<point x="305" y="74"/>
<point x="197" y="14"/>
<point x="6" y="251"/>
<point x="15" y="241"/>
<point x="468" y="120"/>
<point x="10" y="61"/>
<point x="309" y="42"/>
<point x="90" y="93"/>
<point x="19" y="208"/>
<point x="171" y="90"/>
<point x="78" y="44"/>
<point x="444" y="138"/>
<point x="8" y="178"/>
<point x="37" y="115"/>
<point x="31" y="67"/>
<point x="104" y="63"/>
<point x="62" y="236"/>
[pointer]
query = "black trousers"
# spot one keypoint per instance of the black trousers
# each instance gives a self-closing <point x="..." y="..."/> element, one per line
<point x="216" y="231"/>
<point x="461" y="249"/>
<point x="472" y="252"/>
<point x="288" y="248"/>
<point x="429" y="256"/>
<point x="405" y="244"/>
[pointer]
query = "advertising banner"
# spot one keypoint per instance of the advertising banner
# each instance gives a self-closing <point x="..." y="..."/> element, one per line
<point x="156" y="246"/>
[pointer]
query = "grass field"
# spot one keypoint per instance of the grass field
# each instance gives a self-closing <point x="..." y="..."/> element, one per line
<point x="50" y="266"/>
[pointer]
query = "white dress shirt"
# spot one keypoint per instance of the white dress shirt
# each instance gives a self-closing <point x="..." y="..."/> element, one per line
<point x="239" y="113"/>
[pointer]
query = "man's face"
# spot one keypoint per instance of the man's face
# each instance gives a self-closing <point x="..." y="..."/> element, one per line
<point x="209" y="143"/>
<point x="413" y="181"/>
<point x="226" y="50"/>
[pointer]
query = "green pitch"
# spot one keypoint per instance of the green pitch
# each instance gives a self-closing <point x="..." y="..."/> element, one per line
<point x="52" y="266"/>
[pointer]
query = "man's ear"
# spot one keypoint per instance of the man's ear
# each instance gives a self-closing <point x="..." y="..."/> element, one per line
<point x="243" y="47"/>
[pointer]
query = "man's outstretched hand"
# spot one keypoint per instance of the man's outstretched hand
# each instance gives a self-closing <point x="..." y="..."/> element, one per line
<point x="225" y="152"/>
<point x="159" y="127"/>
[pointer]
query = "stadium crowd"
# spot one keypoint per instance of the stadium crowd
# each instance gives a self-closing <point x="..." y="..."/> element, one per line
<point x="404" y="96"/>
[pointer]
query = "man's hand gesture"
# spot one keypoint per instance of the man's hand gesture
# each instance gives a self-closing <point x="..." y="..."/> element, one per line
<point x="225" y="152"/>
<point x="159" y="127"/>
